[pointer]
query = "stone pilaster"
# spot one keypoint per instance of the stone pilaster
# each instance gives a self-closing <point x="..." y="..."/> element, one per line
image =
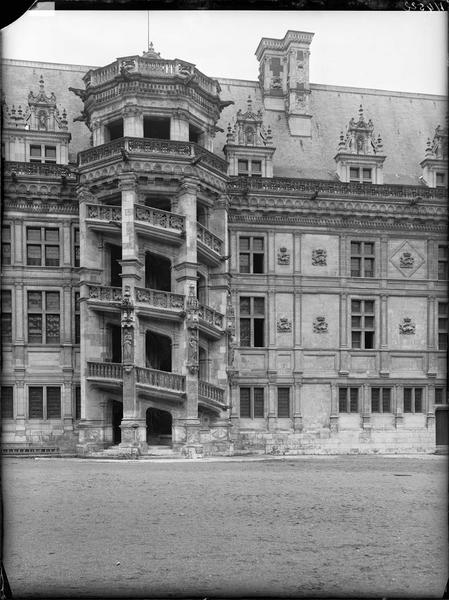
<point x="344" y="357"/>
<point x="384" y="355"/>
<point x="297" y="416"/>
<point x="179" y="126"/>
<point x="430" y="417"/>
<point x="398" y="402"/>
<point x="334" y="416"/>
<point x="132" y="122"/>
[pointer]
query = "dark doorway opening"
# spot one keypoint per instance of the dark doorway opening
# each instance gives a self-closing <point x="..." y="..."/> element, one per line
<point x="194" y="134"/>
<point x="114" y="130"/>
<point x="116" y="343"/>
<point x="117" y="416"/>
<point x="156" y="127"/>
<point x="157" y="272"/>
<point x="159" y="203"/>
<point x="159" y="427"/>
<point x="441" y="427"/>
<point x="201" y="289"/>
<point x="201" y="215"/>
<point x="115" y="253"/>
<point x="158" y="351"/>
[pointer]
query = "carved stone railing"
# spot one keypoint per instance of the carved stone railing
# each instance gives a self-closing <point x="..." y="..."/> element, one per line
<point x="211" y="316"/>
<point x="103" y="212"/>
<point x="156" y="67"/>
<point x="211" y="392"/>
<point x="159" y="298"/>
<point x="152" y="147"/>
<point x="161" y="379"/>
<point x="104" y="293"/>
<point x="105" y="370"/>
<point x="159" y="218"/>
<point x="38" y="206"/>
<point x="209" y="239"/>
<point x="40" y="169"/>
<point x="335" y="188"/>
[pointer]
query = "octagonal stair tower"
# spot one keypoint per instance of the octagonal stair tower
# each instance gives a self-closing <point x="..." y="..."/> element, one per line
<point x="154" y="282"/>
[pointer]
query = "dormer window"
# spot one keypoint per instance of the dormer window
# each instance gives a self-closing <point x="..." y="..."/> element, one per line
<point x="42" y="154"/>
<point x="360" y="175"/>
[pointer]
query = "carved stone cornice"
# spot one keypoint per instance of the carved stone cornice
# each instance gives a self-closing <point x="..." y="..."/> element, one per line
<point x="37" y="206"/>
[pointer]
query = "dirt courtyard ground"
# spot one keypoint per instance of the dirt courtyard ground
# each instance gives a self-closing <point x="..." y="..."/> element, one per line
<point x="348" y="526"/>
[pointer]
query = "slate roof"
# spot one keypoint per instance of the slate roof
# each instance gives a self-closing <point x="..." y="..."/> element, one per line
<point x="404" y="120"/>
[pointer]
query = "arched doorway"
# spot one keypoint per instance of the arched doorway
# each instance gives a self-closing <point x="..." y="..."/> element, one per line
<point x="117" y="416"/>
<point x="159" y="427"/>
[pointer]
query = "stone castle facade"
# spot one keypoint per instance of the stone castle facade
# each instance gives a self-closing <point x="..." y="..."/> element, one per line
<point x="198" y="266"/>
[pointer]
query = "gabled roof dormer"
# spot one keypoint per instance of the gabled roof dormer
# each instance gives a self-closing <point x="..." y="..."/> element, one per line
<point x="360" y="154"/>
<point x="248" y="147"/>
<point x="38" y="133"/>
<point x="434" y="165"/>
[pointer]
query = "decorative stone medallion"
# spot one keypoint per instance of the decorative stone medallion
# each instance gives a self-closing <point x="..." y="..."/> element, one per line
<point x="407" y="327"/>
<point x="320" y="325"/>
<point x="319" y="257"/>
<point x="283" y="256"/>
<point x="407" y="259"/>
<point x="284" y="325"/>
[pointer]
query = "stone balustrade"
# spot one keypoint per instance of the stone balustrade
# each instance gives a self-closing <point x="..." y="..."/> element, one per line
<point x="333" y="188"/>
<point x="211" y="316"/>
<point x="104" y="212"/>
<point x="105" y="370"/>
<point x="211" y="392"/>
<point x="160" y="298"/>
<point x="161" y="379"/>
<point x="141" y="147"/>
<point x="209" y="239"/>
<point x="104" y="293"/>
<point x="20" y="169"/>
<point x="159" y="218"/>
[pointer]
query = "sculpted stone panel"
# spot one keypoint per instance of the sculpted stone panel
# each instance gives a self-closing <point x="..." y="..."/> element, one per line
<point x="320" y="255"/>
<point x="407" y="259"/>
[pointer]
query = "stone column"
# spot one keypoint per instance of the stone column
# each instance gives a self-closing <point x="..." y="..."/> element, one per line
<point x="430" y="418"/>
<point x="431" y="336"/>
<point x="132" y="122"/>
<point x="398" y="401"/>
<point x="98" y="133"/>
<point x="366" y="407"/>
<point x="344" y="357"/>
<point x="297" y="416"/>
<point x="384" y="354"/>
<point x="21" y="409"/>
<point x="334" y="416"/>
<point x="271" y="402"/>
<point x="179" y="126"/>
<point x="67" y="401"/>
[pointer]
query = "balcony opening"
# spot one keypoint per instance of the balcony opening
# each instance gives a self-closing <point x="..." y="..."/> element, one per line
<point x="194" y="134"/>
<point x="114" y="130"/>
<point x="159" y="427"/>
<point x="156" y="127"/>
<point x="203" y="364"/>
<point x="158" y="351"/>
<point x="115" y="343"/>
<point x="116" y="419"/>
<point x="115" y="256"/>
<point x="159" y="203"/>
<point x="157" y="272"/>
<point x="201" y="289"/>
<point x="201" y="215"/>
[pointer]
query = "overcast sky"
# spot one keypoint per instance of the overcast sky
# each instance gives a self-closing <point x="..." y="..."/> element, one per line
<point x="403" y="51"/>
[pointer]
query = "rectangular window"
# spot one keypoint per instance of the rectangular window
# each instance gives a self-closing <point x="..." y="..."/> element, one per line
<point x="440" y="179"/>
<point x="36" y="403"/>
<point x="283" y="402"/>
<point x="348" y="400"/>
<point x="43" y="154"/>
<point x="6" y="310"/>
<point x="252" y="320"/>
<point x="43" y="245"/>
<point x="413" y="400"/>
<point x="360" y="175"/>
<point x="243" y="167"/>
<point x="252" y="403"/>
<point x="251" y="255"/>
<point x="6" y="245"/>
<point x="256" y="168"/>
<point x="442" y="263"/>
<point x="43" y="318"/>
<point x="76" y="247"/>
<point x="440" y="395"/>
<point x="44" y="402"/>
<point x="380" y="400"/>
<point x="442" y="325"/>
<point x="77" y="403"/>
<point x="362" y="259"/>
<point x="7" y="402"/>
<point x="362" y="324"/>
<point x="77" y="318"/>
